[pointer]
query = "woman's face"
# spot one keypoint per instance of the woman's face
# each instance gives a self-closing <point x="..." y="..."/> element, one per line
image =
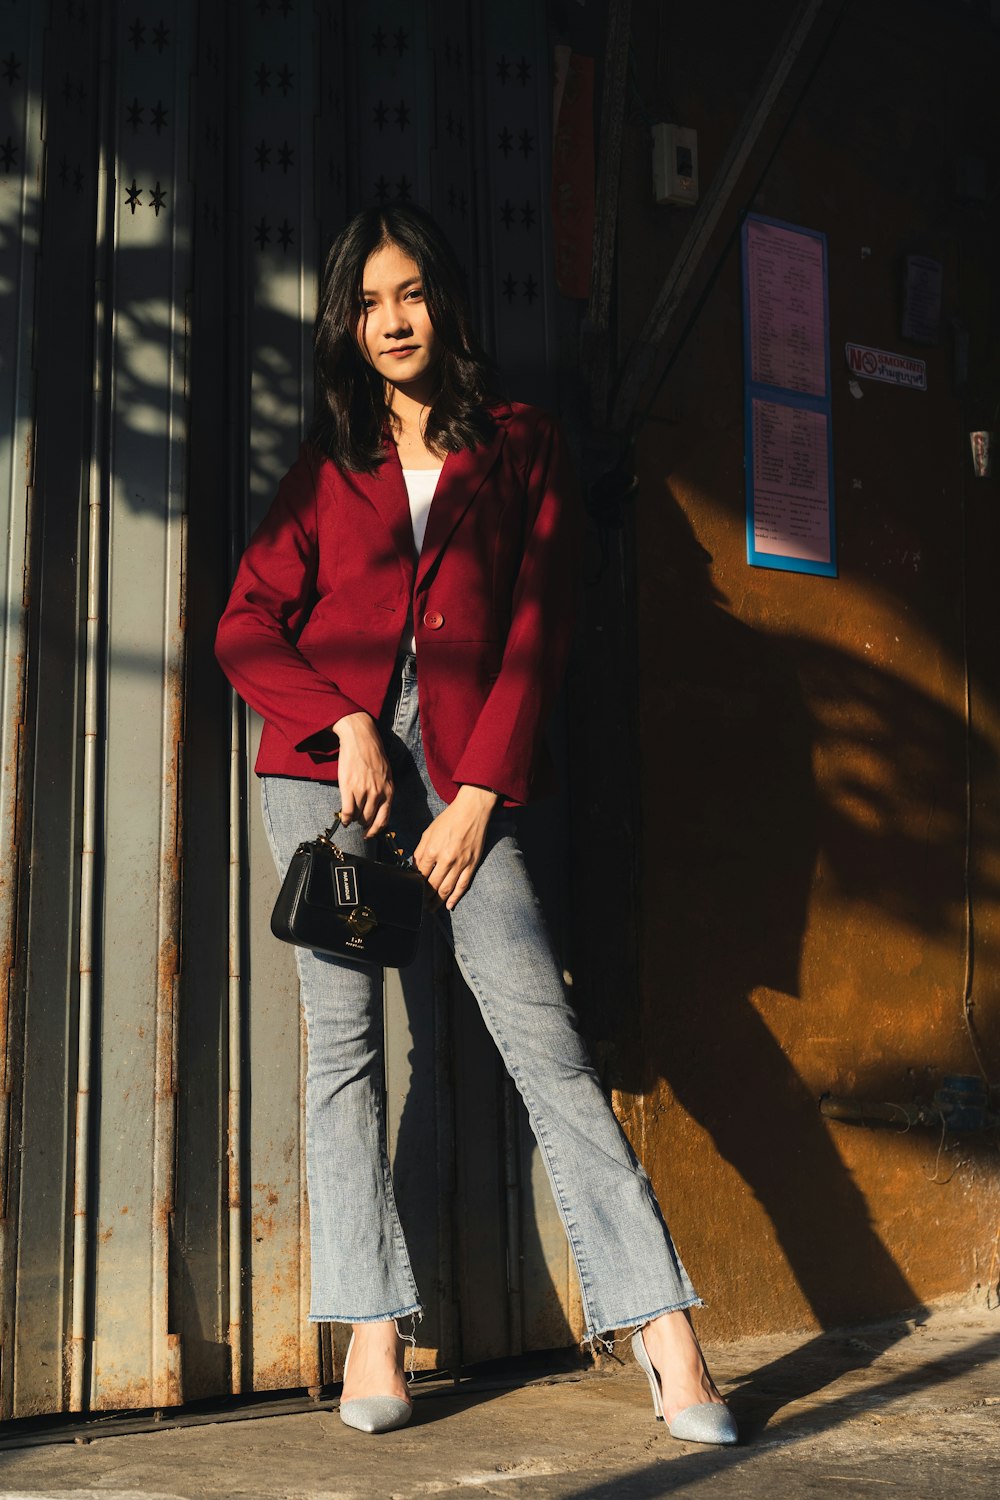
<point x="394" y="328"/>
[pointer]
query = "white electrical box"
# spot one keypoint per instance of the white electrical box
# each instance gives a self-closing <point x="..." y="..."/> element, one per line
<point x="675" y="164"/>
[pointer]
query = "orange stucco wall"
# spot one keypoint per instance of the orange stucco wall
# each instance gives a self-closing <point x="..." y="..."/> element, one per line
<point x="804" y="744"/>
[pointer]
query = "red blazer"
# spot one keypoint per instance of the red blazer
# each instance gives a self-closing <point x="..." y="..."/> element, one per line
<point x="314" y="621"/>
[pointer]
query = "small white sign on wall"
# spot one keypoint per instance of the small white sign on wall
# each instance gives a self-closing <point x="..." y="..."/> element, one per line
<point x="883" y="364"/>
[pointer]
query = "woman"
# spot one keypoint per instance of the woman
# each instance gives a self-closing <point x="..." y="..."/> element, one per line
<point x="426" y="522"/>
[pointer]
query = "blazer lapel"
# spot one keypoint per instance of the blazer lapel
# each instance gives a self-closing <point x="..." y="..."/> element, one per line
<point x="459" y="482"/>
<point x="386" y="489"/>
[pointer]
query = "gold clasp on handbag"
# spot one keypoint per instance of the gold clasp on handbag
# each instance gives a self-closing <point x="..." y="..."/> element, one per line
<point x="361" y="920"/>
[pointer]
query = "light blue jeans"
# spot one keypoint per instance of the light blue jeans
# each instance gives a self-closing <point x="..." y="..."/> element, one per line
<point x="628" y="1268"/>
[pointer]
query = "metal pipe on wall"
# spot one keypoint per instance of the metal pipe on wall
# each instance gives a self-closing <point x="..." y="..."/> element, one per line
<point x="93" y="731"/>
<point x="310" y="1352"/>
<point x="167" y="1383"/>
<point x="236" y="427"/>
<point x="17" y="465"/>
<point x="88" y="854"/>
<point x="166" y="1345"/>
<point x="234" y="1139"/>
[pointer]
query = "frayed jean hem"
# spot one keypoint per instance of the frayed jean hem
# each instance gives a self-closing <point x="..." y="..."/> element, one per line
<point x="596" y="1335"/>
<point x="414" y="1311"/>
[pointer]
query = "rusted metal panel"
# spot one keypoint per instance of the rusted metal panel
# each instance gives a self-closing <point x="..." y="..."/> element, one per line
<point x="275" y="1201"/>
<point x="134" y="1356"/>
<point x="64" y="330"/>
<point x="195" y="163"/>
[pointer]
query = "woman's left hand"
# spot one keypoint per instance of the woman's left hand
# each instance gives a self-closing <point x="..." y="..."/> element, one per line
<point x="452" y="845"/>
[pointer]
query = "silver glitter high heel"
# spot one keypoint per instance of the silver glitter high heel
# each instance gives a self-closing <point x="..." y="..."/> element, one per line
<point x="705" y="1422"/>
<point x="373" y="1413"/>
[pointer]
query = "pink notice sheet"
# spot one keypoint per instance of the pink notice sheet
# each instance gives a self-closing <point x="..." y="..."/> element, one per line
<point x="786" y="308"/>
<point x="791" y="481"/>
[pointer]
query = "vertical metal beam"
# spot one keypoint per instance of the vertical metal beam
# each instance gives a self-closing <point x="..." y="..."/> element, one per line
<point x="93" y="729"/>
<point x="277" y="249"/>
<point x="234" y="1034"/>
<point x="165" y="1343"/>
<point x="20" y="200"/>
<point x="236" y="429"/>
<point x="199" y="1281"/>
<point x="597" y="346"/>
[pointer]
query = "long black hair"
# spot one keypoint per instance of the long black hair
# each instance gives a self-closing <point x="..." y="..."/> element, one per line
<point x="351" y="415"/>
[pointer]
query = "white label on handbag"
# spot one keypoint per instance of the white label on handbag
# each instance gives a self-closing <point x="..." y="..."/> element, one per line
<point x="346" y="885"/>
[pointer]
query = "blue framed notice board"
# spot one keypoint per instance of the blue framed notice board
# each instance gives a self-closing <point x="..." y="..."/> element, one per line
<point x="786" y="393"/>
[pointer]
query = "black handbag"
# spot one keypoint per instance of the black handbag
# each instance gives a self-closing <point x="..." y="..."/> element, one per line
<point x="349" y="906"/>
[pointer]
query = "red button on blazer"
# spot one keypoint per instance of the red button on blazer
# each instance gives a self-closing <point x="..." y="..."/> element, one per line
<point x="316" y="615"/>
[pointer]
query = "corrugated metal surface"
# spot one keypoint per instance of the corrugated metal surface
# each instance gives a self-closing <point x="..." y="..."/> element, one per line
<point x="181" y="169"/>
<point x="135" y="1356"/>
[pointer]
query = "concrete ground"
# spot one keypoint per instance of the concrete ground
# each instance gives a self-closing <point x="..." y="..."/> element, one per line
<point x="910" y="1408"/>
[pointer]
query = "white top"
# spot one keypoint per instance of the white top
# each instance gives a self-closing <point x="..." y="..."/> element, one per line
<point x="420" y="487"/>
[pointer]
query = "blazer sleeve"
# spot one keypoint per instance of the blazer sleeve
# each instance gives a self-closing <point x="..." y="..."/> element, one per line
<point x="270" y="601"/>
<point x="503" y="747"/>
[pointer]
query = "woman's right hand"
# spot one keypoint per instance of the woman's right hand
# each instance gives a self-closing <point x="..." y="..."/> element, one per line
<point x="363" y="773"/>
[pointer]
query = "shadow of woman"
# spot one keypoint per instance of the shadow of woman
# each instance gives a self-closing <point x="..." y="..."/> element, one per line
<point x="733" y="812"/>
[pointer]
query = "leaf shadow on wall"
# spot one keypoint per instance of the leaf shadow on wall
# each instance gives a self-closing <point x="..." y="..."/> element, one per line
<point x="735" y="825"/>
